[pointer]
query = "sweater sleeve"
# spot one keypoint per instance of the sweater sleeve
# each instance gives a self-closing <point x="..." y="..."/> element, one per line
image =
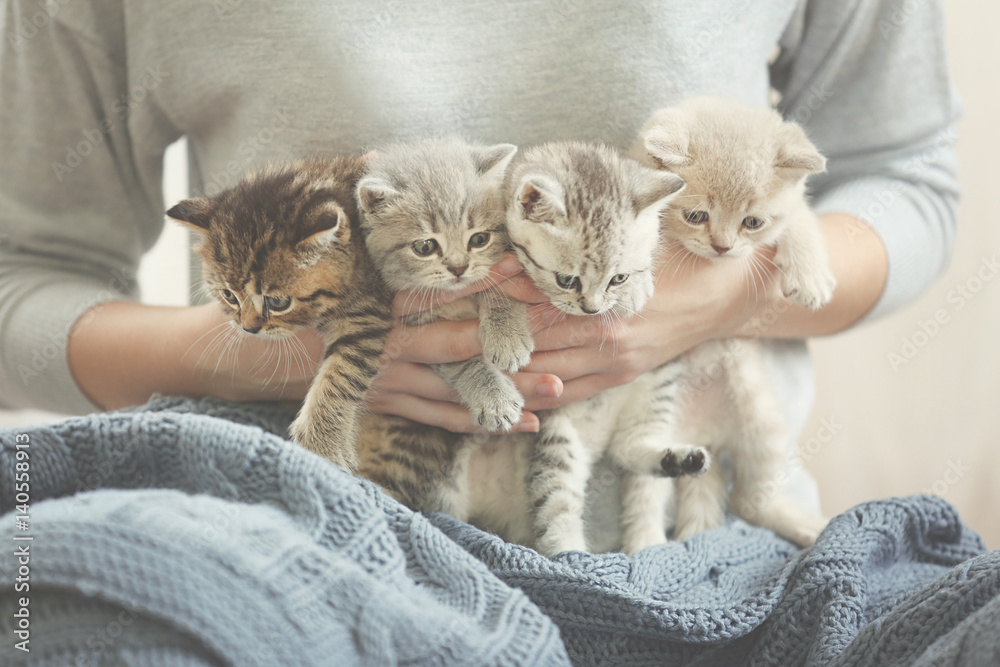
<point x="80" y="200"/>
<point x="868" y="80"/>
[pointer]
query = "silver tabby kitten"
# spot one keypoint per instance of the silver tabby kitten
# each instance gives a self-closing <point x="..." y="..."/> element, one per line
<point x="434" y="221"/>
<point x="746" y="170"/>
<point x="584" y="223"/>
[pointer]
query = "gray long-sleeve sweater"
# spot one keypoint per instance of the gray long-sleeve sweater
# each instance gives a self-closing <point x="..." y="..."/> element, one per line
<point x="92" y="94"/>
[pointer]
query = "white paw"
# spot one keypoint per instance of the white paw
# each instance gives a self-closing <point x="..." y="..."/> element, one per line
<point x="498" y="411"/>
<point x="812" y="289"/>
<point x="692" y="525"/>
<point x="636" y="540"/>
<point x="551" y="543"/>
<point x="805" y="532"/>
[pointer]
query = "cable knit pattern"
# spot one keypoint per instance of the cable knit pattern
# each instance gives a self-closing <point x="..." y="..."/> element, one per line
<point x="191" y="533"/>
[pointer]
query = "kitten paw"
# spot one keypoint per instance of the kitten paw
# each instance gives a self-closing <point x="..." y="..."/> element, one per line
<point x="498" y="411"/>
<point x="510" y="353"/>
<point x="685" y="461"/>
<point x="805" y="532"/>
<point x="331" y="447"/>
<point x="690" y="526"/>
<point x="813" y="289"/>
<point x="634" y="541"/>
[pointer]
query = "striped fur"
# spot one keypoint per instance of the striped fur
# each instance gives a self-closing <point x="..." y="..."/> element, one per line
<point x="581" y="211"/>
<point x="292" y="231"/>
<point x="448" y="193"/>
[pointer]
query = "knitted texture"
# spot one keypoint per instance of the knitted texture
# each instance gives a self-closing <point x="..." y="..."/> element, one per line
<point x="191" y="533"/>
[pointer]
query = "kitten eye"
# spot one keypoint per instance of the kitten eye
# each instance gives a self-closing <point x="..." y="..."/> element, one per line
<point x="479" y="240"/>
<point x="752" y="222"/>
<point x="567" y="282"/>
<point x="696" y="217"/>
<point x="619" y="279"/>
<point x="276" y="304"/>
<point x="230" y="298"/>
<point x="425" y="247"/>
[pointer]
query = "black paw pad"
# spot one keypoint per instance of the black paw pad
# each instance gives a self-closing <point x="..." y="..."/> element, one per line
<point x="691" y="464"/>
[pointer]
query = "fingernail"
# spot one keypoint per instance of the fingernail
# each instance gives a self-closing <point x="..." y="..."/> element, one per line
<point x="527" y="425"/>
<point x="549" y="389"/>
<point x="508" y="266"/>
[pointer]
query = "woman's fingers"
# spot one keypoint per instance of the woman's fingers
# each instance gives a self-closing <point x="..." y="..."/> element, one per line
<point x="575" y="390"/>
<point x="417" y="379"/>
<point x="506" y="275"/>
<point x="443" y="414"/>
<point x="436" y="343"/>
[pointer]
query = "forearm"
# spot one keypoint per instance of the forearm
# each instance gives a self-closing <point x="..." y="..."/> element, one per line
<point x="859" y="261"/>
<point x="121" y="352"/>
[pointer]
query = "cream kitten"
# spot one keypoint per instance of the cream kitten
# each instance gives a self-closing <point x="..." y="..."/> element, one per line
<point x="746" y="170"/>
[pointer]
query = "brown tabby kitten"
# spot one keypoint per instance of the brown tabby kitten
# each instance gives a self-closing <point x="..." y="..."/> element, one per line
<point x="283" y="250"/>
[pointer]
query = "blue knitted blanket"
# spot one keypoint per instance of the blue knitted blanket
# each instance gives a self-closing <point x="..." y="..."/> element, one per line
<point x="191" y="533"/>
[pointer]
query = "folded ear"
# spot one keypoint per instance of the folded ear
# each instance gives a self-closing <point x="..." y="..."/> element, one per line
<point x="655" y="188"/>
<point x="375" y="193"/>
<point x="796" y="154"/>
<point x="541" y="198"/>
<point x="192" y="213"/>
<point x="667" y="140"/>
<point x="492" y="161"/>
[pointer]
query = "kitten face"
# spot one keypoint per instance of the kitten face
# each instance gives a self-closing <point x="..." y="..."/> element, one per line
<point x="584" y="223"/>
<point x="434" y="212"/>
<point x="276" y="248"/>
<point x="745" y="168"/>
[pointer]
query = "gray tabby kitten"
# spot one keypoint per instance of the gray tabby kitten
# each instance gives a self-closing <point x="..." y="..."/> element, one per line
<point x="584" y="224"/>
<point x="746" y="170"/>
<point x="434" y="221"/>
<point x="283" y="250"/>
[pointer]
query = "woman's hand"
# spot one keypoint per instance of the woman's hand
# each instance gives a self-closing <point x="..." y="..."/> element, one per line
<point x="406" y="385"/>
<point x="694" y="300"/>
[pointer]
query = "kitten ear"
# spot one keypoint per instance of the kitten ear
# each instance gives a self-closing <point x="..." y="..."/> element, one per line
<point x="796" y="154"/>
<point x="657" y="188"/>
<point x="326" y="226"/>
<point x="192" y="213"/>
<point x="541" y="199"/>
<point x="375" y="193"/>
<point x="492" y="161"/>
<point x="667" y="141"/>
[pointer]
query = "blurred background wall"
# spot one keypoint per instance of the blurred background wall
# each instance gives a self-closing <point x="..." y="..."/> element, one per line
<point x="927" y="419"/>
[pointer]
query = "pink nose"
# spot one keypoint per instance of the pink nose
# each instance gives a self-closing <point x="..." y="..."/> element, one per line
<point x="458" y="270"/>
<point x="722" y="250"/>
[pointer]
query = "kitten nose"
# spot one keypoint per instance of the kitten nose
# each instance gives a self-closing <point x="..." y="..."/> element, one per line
<point x="722" y="250"/>
<point x="458" y="270"/>
<point x="588" y="311"/>
<point x="252" y="329"/>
